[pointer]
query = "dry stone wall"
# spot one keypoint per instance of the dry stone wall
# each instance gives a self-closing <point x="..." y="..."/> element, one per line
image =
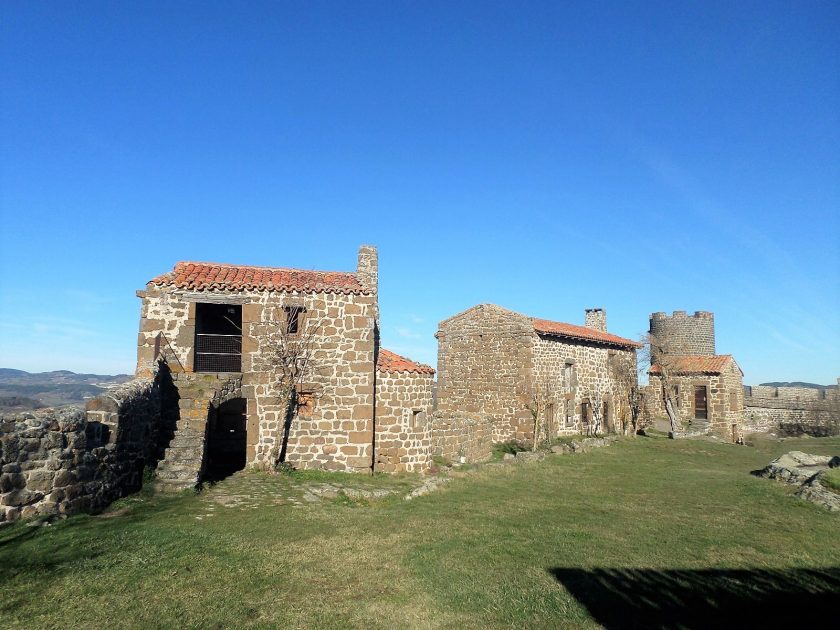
<point x="63" y="461"/>
<point x="403" y="421"/>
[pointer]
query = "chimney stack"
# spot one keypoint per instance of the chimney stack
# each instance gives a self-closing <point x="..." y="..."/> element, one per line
<point x="596" y="319"/>
<point x="368" y="269"/>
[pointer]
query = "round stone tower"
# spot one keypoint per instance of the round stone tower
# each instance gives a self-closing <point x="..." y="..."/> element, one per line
<point x="684" y="334"/>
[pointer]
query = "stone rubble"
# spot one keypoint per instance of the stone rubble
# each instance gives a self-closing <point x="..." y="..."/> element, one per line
<point x="806" y="471"/>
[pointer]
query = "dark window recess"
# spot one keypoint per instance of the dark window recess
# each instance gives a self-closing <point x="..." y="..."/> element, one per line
<point x="218" y="338"/>
<point x="293" y="318"/>
<point x="701" y="411"/>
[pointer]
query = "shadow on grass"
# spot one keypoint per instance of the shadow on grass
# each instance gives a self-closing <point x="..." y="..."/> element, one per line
<point x="677" y="598"/>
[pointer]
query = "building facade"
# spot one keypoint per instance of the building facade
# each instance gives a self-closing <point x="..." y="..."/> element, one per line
<point x="706" y="388"/>
<point x="218" y="329"/>
<point x="528" y="374"/>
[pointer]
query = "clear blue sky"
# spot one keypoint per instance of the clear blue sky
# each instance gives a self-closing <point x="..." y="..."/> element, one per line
<point x="546" y="157"/>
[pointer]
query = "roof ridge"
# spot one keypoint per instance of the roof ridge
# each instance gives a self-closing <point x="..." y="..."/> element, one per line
<point x="241" y="266"/>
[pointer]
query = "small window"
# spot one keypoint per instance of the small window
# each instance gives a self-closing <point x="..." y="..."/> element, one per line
<point x="733" y="401"/>
<point x="570" y="413"/>
<point x="417" y="419"/>
<point x="293" y="317"/>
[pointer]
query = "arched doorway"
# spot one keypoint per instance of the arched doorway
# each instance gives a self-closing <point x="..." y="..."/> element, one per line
<point x="226" y="439"/>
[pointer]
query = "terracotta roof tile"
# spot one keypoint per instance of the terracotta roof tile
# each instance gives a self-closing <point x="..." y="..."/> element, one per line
<point x="561" y="329"/>
<point x="391" y="362"/>
<point x="205" y="276"/>
<point x="697" y="364"/>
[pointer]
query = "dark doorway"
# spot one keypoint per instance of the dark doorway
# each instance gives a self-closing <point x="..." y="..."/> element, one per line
<point x="218" y="338"/>
<point x="226" y="440"/>
<point x="701" y="411"/>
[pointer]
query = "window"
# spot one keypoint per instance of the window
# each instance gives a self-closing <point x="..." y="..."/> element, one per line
<point x="733" y="401"/>
<point x="570" y="413"/>
<point x="293" y="318"/>
<point x="417" y="419"/>
<point x="218" y="338"/>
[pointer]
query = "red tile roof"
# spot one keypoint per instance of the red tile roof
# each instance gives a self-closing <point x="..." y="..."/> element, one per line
<point x="696" y="364"/>
<point x="561" y="329"/>
<point x="391" y="362"/>
<point x="203" y="276"/>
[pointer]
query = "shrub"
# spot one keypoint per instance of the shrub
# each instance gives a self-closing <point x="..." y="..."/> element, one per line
<point x="513" y="447"/>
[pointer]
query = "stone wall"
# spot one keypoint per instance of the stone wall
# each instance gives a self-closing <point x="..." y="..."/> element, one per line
<point x="484" y="364"/>
<point x="683" y="333"/>
<point x="491" y="361"/>
<point x="403" y="421"/>
<point x="63" y="461"/>
<point x="337" y="432"/>
<point x="462" y="437"/>
<point x="792" y="410"/>
<point x="572" y="373"/>
<point x="725" y="401"/>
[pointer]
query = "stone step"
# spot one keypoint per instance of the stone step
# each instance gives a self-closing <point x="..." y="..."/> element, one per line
<point x="178" y="442"/>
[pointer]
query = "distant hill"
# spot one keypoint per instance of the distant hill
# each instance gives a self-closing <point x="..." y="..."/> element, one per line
<point x="800" y="384"/>
<point x="21" y="390"/>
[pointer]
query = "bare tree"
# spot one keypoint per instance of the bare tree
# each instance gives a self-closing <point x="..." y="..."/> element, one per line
<point x="628" y="395"/>
<point x="663" y="356"/>
<point x="541" y="396"/>
<point x="291" y="359"/>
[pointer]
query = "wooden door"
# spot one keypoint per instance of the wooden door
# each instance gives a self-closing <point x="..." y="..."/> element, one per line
<point x="701" y="409"/>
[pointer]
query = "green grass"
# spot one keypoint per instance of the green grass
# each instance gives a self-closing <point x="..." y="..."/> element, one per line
<point x="490" y="549"/>
<point x="831" y="479"/>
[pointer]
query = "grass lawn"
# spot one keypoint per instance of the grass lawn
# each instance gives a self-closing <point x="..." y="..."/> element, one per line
<point x="640" y="532"/>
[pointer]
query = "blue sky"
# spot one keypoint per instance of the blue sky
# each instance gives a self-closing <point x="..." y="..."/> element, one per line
<point x="547" y="157"/>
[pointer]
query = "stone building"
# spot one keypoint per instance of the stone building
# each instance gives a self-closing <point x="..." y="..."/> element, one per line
<point x="516" y="370"/>
<point x="706" y="387"/>
<point x="217" y="327"/>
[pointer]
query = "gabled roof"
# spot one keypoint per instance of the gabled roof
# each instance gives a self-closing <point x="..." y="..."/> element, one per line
<point x="207" y="276"/>
<point x="392" y="362"/>
<point x="697" y="364"/>
<point x="561" y="329"/>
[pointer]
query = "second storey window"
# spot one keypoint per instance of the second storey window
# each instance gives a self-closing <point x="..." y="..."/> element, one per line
<point x="294" y="318"/>
<point x="218" y="338"/>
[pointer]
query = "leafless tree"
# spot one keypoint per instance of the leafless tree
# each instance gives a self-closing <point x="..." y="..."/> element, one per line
<point x="663" y="355"/>
<point x="540" y="397"/>
<point x="292" y="362"/>
<point x="628" y="395"/>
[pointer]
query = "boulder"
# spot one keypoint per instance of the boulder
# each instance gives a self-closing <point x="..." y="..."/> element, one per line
<point x="795" y="467"/>
<point x="530" y="456"/>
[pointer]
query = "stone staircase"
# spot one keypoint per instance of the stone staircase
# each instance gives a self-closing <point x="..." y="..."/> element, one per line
<point x="182" y="463"/>
<point x="183" y="460"/>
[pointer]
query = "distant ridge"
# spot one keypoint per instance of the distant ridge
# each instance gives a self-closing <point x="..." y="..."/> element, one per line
<point x="799" y="384"/>
<point x="23" y="391"/>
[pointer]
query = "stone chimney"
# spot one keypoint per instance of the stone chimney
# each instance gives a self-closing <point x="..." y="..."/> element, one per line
<point x="368" y="269"/>
<point x="596" y="319"/>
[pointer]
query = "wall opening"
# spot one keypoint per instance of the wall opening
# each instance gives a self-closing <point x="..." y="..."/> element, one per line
<point x="227" y="439"/>
<point x="218" y="338"/>
<point x="701" y="411"/>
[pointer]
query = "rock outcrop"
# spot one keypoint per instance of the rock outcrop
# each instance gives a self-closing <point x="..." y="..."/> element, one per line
<point x="806" y="471"/>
